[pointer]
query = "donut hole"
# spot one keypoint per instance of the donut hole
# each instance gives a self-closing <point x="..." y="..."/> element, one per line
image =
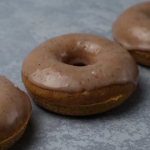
<point x="79" y="62"/>
<point x="79" y="57"/>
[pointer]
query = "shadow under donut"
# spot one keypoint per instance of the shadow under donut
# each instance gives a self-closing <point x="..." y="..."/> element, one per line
<point x="26" y="140"/>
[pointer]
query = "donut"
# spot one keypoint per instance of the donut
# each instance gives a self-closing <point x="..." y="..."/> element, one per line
<point x="132" y="31"/>
<point x="79" y="74"/>
<point x="15" y="111"/>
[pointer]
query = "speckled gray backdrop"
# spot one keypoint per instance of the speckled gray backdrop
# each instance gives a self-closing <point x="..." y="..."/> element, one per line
<point x="26" y="23"/>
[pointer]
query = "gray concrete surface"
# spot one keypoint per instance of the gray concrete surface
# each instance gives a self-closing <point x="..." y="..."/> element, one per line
<point x="26" y="23"/>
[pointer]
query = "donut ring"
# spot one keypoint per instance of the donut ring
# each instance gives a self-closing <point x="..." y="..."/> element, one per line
<point x="79" y="74"/>
<point x="15" y="111"/>
<point x="132" y="31"/>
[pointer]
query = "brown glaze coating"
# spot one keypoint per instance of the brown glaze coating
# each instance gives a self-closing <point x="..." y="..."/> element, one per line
<point x="132" y="28"/>
<point x="50" y="65"/>
<point x="132" y="31"/>
<point x="15" y="110"/>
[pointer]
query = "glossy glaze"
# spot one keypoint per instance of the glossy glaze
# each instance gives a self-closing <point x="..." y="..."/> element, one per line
<point x="15" y="108"/>
<point x="50" y="64"/>
<point x="132" y="28"/>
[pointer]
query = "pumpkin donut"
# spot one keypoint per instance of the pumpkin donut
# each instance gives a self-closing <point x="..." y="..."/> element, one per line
<point x="15" y="111"/>
<point x="132" y="31"/>
<point x="79" y="74"/>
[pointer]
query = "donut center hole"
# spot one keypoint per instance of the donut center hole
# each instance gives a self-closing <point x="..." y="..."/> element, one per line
<point x="76" y="61"/>
<point x="79" y="64"/>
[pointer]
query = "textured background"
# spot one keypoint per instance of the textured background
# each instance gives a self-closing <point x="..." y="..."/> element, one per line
<point x="26" y="23"/>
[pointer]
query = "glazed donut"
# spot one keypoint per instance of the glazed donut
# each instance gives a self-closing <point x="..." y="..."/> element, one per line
<point x="79" y="74"/>
<point x="15" y="111"/>
<point x="132" y="31"/>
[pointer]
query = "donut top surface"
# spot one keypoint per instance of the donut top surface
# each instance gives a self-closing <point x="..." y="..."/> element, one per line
<point x="15" y="108"/>
<point x="132" y="28"/>
<point x="54" y="64"/>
